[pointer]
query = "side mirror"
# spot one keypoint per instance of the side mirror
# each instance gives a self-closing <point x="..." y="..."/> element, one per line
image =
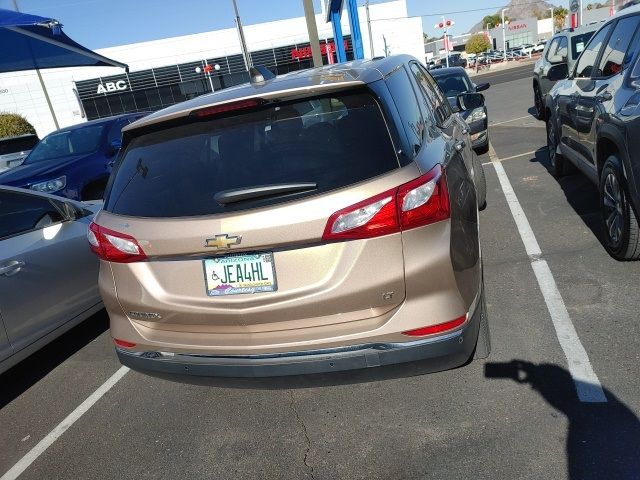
<point x="556" y="59"/>
<point x="558" y="72"/>
<point x="482" y="87"/>
<point x="470" y="101"/>
<point x="114" y="147"/>
<point x="69" y="210"/>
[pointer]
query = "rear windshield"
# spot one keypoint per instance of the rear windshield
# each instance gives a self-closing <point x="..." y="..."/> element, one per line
<point x="578" y="42"/>
<point x="328" y="142"/>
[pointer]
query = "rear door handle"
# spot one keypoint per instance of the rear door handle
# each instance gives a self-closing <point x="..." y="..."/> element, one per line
<point x="604" y="96"/>
<point x="11" y="268"/>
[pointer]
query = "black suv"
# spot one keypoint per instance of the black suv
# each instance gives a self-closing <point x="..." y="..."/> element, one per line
<point x="593" y="123"/>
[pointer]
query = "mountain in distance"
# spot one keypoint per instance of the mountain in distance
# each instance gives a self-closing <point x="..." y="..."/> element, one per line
<point x="519" y="10"/>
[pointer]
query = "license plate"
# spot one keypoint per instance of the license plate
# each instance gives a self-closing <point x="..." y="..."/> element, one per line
<point x="234" y="274"/>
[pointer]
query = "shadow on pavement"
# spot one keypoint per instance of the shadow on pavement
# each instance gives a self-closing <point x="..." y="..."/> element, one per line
<point x="581" y="194"/>
<point x="603" y="440"/>
<point x="22" y="376"/>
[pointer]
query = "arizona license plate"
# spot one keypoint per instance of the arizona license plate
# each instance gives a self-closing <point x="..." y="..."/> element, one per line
<point x="234" y="274"/>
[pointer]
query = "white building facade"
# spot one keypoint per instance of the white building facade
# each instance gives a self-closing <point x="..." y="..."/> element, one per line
<point x="167" y="71"/>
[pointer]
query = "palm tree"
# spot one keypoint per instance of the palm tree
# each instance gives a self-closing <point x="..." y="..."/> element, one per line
<point x="559" y="16"/>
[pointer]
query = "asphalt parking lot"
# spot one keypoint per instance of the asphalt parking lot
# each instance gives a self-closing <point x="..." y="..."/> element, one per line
<point x="558" y="398"/>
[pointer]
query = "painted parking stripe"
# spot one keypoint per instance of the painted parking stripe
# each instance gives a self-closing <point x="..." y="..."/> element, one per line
<point x="63" y="426"/>
<point x="587" y="384"/>
<point x="512" y="157"/>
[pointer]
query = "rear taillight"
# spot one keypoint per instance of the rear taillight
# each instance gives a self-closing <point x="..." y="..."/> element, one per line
<point x="420" y="202"/>
<point x="114" y="246"/>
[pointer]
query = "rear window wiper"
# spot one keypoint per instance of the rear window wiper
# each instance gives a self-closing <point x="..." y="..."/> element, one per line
<point x="261" y="191"/>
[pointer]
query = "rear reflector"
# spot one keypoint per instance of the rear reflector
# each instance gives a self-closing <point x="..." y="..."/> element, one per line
<point x="114" y="246"/>
<point x="123" y="343"/>
<point x="420" y="202"/>
<point x="439" y="328"/>
<point x="226" y="107"/>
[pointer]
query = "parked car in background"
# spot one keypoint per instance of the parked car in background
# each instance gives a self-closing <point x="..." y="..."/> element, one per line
<point x="48" y="276"/>
<point x="539" y="47"/>
<point x="593" y="123"/>
<point x="563" y="48"/>
<point x="527" y="49"/>
<point x="454" y="81"/>
<point x="74" y="162"/>
<point x="278" y="218"/>
<point x="13" y="150"/>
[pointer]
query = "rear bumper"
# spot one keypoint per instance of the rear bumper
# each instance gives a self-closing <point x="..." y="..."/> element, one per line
<point x="443" y="352"/>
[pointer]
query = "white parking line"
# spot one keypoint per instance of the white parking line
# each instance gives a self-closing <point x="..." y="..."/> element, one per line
<point x="62" y="427"/>
<point x="587" y="384"/>
<point x="509" y="121"/>
<point x="512" y="157"/>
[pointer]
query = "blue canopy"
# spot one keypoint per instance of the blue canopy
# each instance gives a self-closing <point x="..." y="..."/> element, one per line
<point x="30" y="41"/>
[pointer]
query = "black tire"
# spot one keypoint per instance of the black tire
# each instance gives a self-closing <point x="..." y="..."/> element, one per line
<point x="483" y="344"/>
<point x="539" y="105"/>
<point x="481" y="182"/>
<point x="558" y="163"/>
<point x="619" y="221"/>
<point x="483" y="149"/>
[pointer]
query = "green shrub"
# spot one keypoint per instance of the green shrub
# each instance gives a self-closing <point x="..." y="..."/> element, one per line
<point x="13" y="124"/>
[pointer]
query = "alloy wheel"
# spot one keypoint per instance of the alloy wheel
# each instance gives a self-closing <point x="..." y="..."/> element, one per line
<point x="613" y="208"/>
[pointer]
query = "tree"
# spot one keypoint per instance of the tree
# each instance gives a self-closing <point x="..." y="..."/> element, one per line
<point x="559" y="16"/>
<point x="494" y="20"/>
<point x="12" y="125"/>
<point x="477" y="44"/>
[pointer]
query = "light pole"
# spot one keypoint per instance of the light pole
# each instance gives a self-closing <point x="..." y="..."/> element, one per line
<point x="207" y="71"/>
<point x="553" y="23"/>
<point x="504" y="38"/>
<point x="446" y="40"/>
<point x="366" y="6"/>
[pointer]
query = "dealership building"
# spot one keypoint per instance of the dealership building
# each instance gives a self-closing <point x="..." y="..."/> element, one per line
<point x="515" y="33"/>
<point x="171" y="70"/>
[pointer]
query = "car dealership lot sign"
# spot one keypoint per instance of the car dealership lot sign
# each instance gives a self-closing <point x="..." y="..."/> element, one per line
<point x="108" y="87"/>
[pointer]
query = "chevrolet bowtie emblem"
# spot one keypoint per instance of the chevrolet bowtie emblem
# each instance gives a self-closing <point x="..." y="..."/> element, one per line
<point x="223" y="241"/>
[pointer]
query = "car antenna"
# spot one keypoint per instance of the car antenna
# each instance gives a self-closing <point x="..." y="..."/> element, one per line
<point x="260" y="74"/>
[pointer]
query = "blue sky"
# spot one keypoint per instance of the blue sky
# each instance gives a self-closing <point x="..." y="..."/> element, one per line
<point x="105" y="23"/>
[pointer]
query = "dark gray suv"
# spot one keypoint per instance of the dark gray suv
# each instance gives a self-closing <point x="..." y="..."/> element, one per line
<point x="564" y="48"/>
<point x="593" y="123"/>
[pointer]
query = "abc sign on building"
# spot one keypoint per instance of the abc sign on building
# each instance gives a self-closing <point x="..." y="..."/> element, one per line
<point x="112" y="86"/>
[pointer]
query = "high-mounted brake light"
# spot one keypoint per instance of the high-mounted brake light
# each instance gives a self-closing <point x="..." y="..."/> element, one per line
<point x="420" y="202"/>
<point x="226" y="107"/>
<point x="114" y="246"/>
<point x="438" y="328"/>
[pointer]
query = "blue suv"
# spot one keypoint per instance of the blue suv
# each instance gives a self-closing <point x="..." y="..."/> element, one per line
<point x="74" y="162"/>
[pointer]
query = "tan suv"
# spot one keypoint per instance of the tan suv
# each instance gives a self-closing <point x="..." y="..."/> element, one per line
<point x="322" y="220"/>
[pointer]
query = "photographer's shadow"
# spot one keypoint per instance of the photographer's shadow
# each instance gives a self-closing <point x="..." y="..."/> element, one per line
<point x="604" y="438"/>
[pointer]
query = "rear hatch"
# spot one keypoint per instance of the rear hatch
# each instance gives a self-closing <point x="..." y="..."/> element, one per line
<point x="230" y="209"/>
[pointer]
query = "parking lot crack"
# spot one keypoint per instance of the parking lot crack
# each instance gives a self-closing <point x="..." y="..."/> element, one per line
<point x="304" y="431"/>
